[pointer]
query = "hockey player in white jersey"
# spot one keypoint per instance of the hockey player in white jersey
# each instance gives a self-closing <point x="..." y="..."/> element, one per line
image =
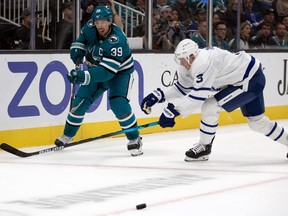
<point x="215" y="79"/>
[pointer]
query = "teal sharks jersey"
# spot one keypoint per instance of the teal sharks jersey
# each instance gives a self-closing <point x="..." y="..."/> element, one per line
<point x="112" y="53"/>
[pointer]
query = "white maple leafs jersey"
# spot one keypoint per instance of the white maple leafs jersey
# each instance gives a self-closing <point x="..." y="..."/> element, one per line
<point x="212" y="70"/>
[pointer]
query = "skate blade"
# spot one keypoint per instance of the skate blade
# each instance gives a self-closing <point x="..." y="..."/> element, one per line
<point x="203" y="158"/>
<point x="136" y="152"/>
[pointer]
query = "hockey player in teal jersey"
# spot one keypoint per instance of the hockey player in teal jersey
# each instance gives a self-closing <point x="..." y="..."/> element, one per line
<point x="110" y="67"/>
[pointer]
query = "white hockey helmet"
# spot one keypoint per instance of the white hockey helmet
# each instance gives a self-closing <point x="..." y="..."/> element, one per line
<point x="186" y="48"/>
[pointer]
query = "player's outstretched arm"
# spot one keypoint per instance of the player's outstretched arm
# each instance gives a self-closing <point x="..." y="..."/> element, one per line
<point x="157" y="96"/>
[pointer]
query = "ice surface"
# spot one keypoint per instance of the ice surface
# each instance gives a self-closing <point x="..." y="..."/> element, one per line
<point x="247" y="174"/>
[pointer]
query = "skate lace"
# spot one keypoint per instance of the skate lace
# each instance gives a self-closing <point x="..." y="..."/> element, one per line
<point x="198" y="148"/>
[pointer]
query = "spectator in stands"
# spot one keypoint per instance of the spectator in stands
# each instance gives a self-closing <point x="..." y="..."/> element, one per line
<point x="196" y="4"/>
<point x="217" y="17"/>
<point x="140" y="6"/>
<point x="285" y="22"/>
<point x="199" y="36"/>
<point x="156" y="14"/>
<point x="199" y="15"/>
<point x="174" y="15"/>
<point x="245" y="30"/>
<point x="170" y="2"/>
<point x="175" y="33"/>
<point x="281" y="8"/>
<point x="88" y="6"/>
<point x="131" y="18"/>
<point x="158" y="4"/>
<point x="230" y="17"/>
<point x="220" y="6"/>
<point x="8" y="39"/>
<point x="160" y="40"/>
<point x="185" y="13"/>
<point x="23" y="32"/>
<point x="219" y="37"/>
<point x="262" y="38"/>
<point x="255" y="18"/>
<point x="64" y="32"/>
<point x="279" y="40"/>
<point x="262" y="5"/>
<point x="165" y="17"/>
<point x="139" y="31"/>
<point x="269" y="17"/>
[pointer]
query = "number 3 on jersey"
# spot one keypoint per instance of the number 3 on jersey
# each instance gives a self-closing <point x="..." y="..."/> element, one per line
<point x="199" y="78"/>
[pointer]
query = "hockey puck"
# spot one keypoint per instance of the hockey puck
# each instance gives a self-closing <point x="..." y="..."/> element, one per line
<point x="141" y="206"/>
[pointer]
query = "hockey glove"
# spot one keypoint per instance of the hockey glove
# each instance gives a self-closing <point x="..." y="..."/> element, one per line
<point x="151" y="99"/>
<point x="79" y="77"/>
<point x="77" y="50"/>
<point x="168" y="116"/>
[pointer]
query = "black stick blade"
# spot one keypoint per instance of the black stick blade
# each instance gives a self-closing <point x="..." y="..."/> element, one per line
<point x="8" y="148"/>
<point x="12" y="150"/>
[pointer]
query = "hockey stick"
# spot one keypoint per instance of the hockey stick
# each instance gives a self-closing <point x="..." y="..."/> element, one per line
<point x="8" y="148"/>
<point x="78" y="62"/>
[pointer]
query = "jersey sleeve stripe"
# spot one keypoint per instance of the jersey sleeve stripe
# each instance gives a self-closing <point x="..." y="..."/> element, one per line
<point x="181" y="86"/>
<point x="126" y="67"/>
<point x="129" y="59"/>
<point x="179" y="89"/>
<point x="197" y="98"/>
<point x="109" y="60"/>
<point x="108" y="67"/>
<point x="127" y="64"/>
<point x="193" y="88"/>
<point x="250" y="66"/>
<point x="78" y="45"/>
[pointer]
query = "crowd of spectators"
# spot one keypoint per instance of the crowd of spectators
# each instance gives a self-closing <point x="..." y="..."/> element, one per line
<point x="264" y="24"/>
<point x="256" y="18"/>
<point x="61" y="32"/>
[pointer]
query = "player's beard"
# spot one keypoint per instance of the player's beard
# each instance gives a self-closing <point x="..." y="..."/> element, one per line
<point x="104" y="33"/>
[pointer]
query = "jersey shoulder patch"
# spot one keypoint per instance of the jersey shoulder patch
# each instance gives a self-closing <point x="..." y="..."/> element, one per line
<point x="113" y="39"/>
<point x="90" y="23"/>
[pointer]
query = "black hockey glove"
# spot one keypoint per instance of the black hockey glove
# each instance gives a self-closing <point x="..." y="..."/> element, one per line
<point x="167" y="118"/>
<point x="151" y="99"/>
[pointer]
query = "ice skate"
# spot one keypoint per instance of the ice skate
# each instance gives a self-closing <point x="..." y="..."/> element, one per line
<point x="198" y="152"/>
<point x="135" y="146"/>
<point x="62" y="140"/>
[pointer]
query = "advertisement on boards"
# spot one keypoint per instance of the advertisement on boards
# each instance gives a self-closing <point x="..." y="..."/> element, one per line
<point x="36" y="93"/>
